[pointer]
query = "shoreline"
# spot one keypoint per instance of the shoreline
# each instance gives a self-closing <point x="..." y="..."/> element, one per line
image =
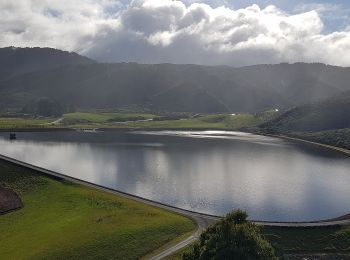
<point x="66" y="129"/>
<point x="202" y="220"/>
<point x="341" y="220"/>
<point x="327" y="146"/>
<point x="53" y="174"/>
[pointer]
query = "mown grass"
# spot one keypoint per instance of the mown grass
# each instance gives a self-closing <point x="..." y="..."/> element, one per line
<point x="61" y="220"/>
<point x="12" y="123"/>
<point x="119" y="120"/>
<point x="101" y="118"/>
<point x="222" y="121"/>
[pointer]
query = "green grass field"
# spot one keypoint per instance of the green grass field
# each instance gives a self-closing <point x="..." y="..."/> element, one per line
<point x="221" y="121"/>
<point x="119" y="120"/>
<point x="101" y="118"/>
<point x="61" y="220"/>
<point x="12" y="123"/>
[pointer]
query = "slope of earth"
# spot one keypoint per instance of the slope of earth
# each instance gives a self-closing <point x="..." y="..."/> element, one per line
<point x="62" y="220"/>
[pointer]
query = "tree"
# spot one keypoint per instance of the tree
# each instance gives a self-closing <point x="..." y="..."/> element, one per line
<point x="71" y="108"/>
<point x="47" y="107"/>
<point x="231" y="238"/>
<point x="2" y="107"/>
<point x="30" y="108"/>
<point x="43" y="107"/>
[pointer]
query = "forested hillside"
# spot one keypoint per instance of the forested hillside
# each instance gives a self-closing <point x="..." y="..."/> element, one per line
<point x="70" y="79"/>
<point x="328" y="114"/>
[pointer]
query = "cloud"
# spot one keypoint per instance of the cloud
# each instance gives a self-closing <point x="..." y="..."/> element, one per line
<point x="64" y="24"/>
<point x="155" y="31"/>
<point x="335" y="16"/>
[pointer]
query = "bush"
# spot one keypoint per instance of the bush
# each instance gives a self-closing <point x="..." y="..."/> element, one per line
<point x="231" y="238"/>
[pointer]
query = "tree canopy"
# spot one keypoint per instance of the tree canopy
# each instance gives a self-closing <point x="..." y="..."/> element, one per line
<point x="233" y="237"/>
<point x="43" y="107"/>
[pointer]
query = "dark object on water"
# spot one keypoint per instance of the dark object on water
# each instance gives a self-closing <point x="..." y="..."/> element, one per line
<point x="13" y="136"/>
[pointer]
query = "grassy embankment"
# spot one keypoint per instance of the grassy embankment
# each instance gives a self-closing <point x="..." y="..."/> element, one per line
<point x="289" y="241"/>
<point x="338" y="137"/>
<point x="62" y="220"/>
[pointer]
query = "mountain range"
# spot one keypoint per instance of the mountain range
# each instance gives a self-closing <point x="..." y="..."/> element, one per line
<point x="16" y="61"/>
<point x="27" y="74"/>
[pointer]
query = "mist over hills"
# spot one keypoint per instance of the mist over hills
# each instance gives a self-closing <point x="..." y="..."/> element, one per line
<point x="72" y="79"/>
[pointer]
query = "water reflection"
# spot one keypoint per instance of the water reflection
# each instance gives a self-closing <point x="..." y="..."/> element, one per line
<point x="210" y="172"/>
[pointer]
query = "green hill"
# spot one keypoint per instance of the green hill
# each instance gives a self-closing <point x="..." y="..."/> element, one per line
<point x="15" y="61"/>
<point x="74" y="80"/>
<point x="328" y="114"/>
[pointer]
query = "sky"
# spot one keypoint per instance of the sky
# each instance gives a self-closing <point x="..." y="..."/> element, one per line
<point x="209" y="32"/>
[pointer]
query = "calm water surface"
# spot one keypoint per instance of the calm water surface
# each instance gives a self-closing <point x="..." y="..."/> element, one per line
<point x="210" y="171"/>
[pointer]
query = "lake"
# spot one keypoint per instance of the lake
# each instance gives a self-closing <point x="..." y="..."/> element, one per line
<point x="206" y="171"/>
